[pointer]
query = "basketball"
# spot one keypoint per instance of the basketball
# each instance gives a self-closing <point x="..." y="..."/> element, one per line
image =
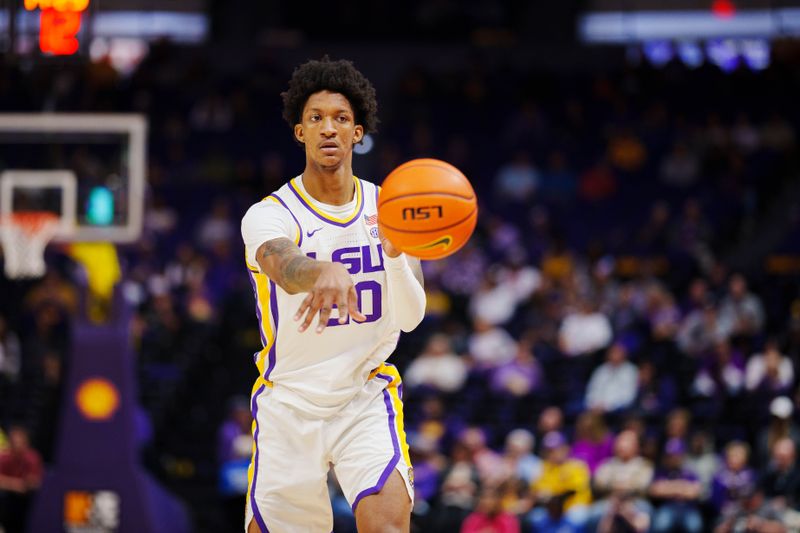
<point x="427" y="208"/>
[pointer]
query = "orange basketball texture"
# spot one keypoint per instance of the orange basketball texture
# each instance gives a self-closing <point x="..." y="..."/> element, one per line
<point x="427" y="208"/>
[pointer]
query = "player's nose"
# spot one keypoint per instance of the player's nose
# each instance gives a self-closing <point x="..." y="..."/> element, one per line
<point x="328" y="128"/>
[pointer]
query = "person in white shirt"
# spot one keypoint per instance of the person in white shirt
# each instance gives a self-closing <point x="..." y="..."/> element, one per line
<point x="437" y="366"/>
<point x="613" y="384"/>
<point x="584" y="331"/>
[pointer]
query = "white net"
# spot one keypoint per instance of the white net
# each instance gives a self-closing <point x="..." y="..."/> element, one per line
<point x="24" y="237"/>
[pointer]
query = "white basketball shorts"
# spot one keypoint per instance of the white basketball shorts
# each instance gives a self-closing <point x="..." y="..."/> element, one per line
<point x="364" y="443"/>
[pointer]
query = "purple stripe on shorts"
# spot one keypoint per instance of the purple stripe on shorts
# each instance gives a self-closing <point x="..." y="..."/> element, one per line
<point x="299" y="228"/>
<point x="322" y="218"/>
<point x="273" y="306"/>
<point x="387" y="399"/>
<point x="256" y="512"/>
<point x="258" y="307"/>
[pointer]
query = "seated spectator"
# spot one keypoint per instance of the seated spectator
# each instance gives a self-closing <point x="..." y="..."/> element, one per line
<point x="428" y="466"/>
<point x="656" y="394"/>
<point x="437" y="367"/>
<point x="702" y="460"/>
<point x="489" y="517"/>
<point x="519" y="459"/>
<point x="734" y="481"/>
<point x="780" y="426"/>
<point x="680" y="167"/>
<point x="613" y="385"/>
<point x="781" y="481"/>
<point x="487" y="462"/>
<point x="741" y="312"/>
<point x="721" y="374"/>
<point x="769" y="372"/>
<point x="593" y="442"/>
<point x="490" y="346"/>
<point x="234" y="450"/>
<point x="677" y="425"/>
<point x="457" y="493"/>
<point x="678" y="492"/>
<point x="495" y="301"/>
<point x="550" y="419"/>
<point x="584" y="330"/>
<point x="21" y="473"/>
<point x="520" y="376"/>
<point x="561" y="476"/>
<point x="621" y="484"/>
<point x="752" y="513"/>
<point x="700" y="330"/>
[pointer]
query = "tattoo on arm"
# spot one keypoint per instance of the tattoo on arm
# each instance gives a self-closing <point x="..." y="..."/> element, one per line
<point x="283" y="261"/>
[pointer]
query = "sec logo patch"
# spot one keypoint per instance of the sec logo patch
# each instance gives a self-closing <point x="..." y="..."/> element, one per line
<point x="411" y="476"/>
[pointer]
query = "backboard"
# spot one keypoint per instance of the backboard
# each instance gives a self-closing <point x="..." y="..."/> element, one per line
<point x="85" y="167"/>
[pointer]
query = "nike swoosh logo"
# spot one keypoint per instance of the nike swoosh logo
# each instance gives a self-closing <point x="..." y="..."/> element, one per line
<point x="445" y="241"/>
<point x="311" y="233"/>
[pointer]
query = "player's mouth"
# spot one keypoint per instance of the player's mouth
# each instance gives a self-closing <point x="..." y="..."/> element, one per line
<point x="329" y="148"/>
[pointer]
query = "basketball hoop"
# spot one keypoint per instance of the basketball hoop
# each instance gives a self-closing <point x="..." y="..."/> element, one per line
<point x="24" y="236"/>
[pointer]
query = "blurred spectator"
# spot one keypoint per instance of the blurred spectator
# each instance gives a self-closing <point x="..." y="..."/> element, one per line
<point x="488" y="463"/>
<point x="702" y="460"/>
<point x="489" y="516"/>
<point x="584" y="330"/>
<point x="558" y="179"/>
<point x="520" y="376"/>
<point x="10" y="356"/>
<point x="21" y="473"/>
<point x="457" y="493"/>
<point x="680" y="168"/>
<point x="621" y="484"/>
<point x="495" y="301"/>
<point x="734" y="481"/>
<point x="778" y="134"/>
<point x="217" y="226"/>
<point x="769" y="372"/>
<point x="593" y="442"/>
<point x="520" y="461"/>
<point x="437" y="367"/>
<point x="550" y="419"/>
<point x="752" y="514"/>
<point x="490" y="346"/>
<point x="428" y="466"/>
<point x="613" y="385"/>
<point x="561" y="477"/>
<point x="234" y="450"/>
<point x="781" y="481"/>
<point x="517" y="180"/>
<point x="597" y="183"/>
<point x="677" y="491"/>
<point x="781" y="426"/>
<point x="654" y="235"/>
<point x="741" y="312"/>
<point x="656" y="393"/>
<point x="721" y="374"/>
<point x="626" y="150"/>
<point x="700" y="330"/>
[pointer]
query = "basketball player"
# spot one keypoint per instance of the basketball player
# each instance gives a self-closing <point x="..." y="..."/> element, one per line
<point x="332" y="296"/>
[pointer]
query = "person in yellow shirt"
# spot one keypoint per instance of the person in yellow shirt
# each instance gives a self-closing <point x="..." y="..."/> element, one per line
<point x="562" y="479"/>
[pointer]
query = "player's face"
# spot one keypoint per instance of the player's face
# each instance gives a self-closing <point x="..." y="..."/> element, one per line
<point x="328" y="129"/>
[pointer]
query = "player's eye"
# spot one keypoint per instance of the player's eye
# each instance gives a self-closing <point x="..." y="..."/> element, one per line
<point x="314" y="118"/>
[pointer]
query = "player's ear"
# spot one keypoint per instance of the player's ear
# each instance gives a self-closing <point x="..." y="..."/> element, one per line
<point x="358" y="133"/>
<point x="299" y="134"/>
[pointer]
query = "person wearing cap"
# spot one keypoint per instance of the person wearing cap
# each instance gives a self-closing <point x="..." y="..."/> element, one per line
<point x="677" y="490"/>
<point x="781" y="425"/>
<point x="561" y="476"/>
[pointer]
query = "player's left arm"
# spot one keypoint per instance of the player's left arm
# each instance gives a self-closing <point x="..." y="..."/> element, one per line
<point x="405" y="286"/>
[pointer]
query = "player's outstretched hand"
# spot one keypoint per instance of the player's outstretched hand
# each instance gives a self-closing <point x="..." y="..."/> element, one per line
<point x="388" y="248"/>
<point x="334" y="286"/>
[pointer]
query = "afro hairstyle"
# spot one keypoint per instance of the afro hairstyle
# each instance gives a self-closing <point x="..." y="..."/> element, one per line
<point x="334" y="76"/>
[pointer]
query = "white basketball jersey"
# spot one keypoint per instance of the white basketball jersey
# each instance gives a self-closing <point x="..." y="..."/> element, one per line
<point x="320" y="372"/>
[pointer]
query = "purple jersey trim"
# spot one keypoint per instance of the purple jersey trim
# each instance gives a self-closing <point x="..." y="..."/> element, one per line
<point x="273" y="306"/>
<point x="253" y="505"/>
<point x="258" y="307"/>
<point x="387" y="400"/>
<point x="311" y="210"/>
<point x="299" y="228"/>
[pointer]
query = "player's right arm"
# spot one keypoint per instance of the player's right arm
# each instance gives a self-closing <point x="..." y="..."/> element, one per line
<point x="326" y="283"/>
<point x="269" y="233"/>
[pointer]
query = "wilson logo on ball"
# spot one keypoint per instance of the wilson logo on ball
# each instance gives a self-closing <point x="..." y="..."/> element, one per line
<point x="422" y="212"/>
